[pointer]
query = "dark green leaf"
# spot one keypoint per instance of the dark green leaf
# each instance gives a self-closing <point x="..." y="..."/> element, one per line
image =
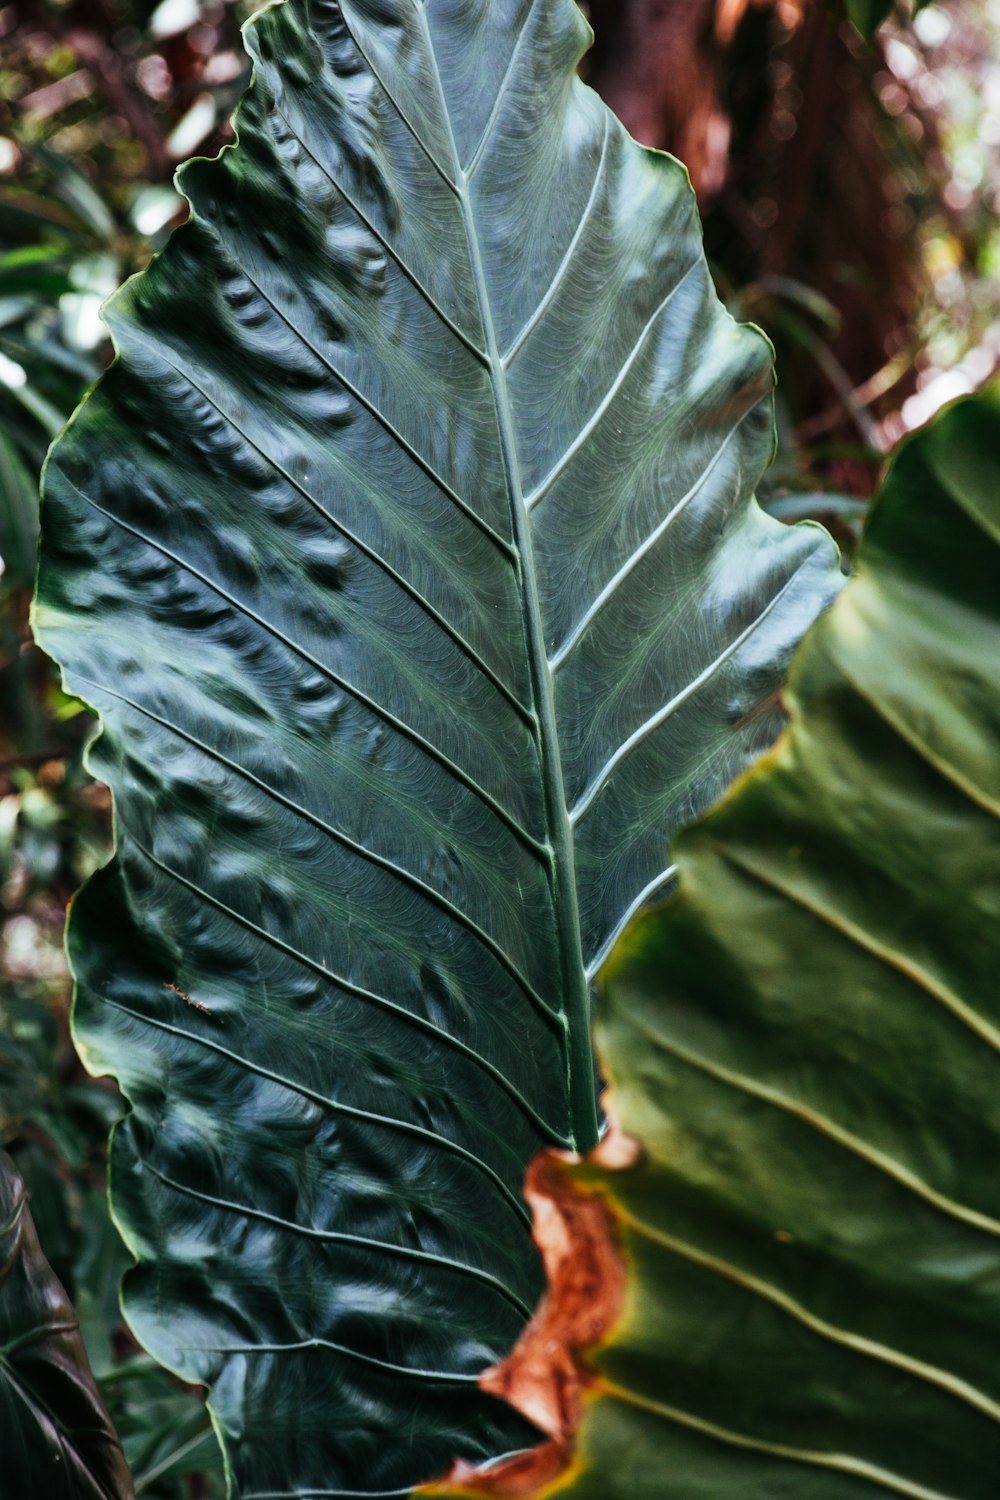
<point x="409" y="557"/>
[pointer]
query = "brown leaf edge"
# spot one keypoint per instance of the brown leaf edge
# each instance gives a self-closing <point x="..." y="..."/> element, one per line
<point x="547" y="1374"/>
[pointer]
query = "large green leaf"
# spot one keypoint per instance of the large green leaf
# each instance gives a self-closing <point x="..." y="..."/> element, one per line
<point x="409" y="557"/>
<point x="805" y="1041"/>
<point x="56" y="1439"/>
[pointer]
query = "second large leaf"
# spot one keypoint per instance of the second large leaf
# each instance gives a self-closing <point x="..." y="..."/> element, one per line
<point x="408" y="556"/>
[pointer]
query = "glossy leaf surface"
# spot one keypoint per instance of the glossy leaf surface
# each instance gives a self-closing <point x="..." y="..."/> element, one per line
<point x="56" y="1438"/>
<point x="805" y="1041"/>
<point x="408" y="555"/>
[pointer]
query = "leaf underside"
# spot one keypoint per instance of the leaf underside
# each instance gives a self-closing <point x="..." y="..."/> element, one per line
<point x="805" y="1041"/>
<point x="408" y="555"/>
<point x="57" y="1439"/>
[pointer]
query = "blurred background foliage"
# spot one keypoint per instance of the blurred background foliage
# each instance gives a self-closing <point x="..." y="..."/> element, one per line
<point x="850" y="194"/>
<point x="850" y="190"/>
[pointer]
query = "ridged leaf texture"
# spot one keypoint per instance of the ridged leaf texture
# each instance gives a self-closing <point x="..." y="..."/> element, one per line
<point x="57" y="1440"/>
<point x="408" y="555"/>
<point x="805" y="1043"/>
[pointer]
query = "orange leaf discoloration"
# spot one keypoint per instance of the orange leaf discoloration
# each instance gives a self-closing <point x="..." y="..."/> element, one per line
<point x="547" y="1373"/>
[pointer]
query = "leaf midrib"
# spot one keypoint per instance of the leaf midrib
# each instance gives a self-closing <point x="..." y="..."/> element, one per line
<point x="575" y="986"/>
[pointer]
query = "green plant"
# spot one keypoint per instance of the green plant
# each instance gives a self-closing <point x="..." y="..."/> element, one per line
<point x="56" y="1432"/>
<point x="54" y="1123"/>
<point x="60" y="256"/>
<point x="408" y="554"/>
<point x="869" y="15"/>
<point x="61" y="249"/>
<point x="803" y="1042"/>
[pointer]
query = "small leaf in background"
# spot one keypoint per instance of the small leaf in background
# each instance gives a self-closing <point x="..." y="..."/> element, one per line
<point x="868" y="15"/>
<point x="18" y="518"/>
<point x="57" y="1439"/>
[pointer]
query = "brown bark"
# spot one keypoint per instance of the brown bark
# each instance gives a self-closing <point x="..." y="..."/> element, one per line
<point x="657" y="64"/>
<point x="660" y="65"/>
